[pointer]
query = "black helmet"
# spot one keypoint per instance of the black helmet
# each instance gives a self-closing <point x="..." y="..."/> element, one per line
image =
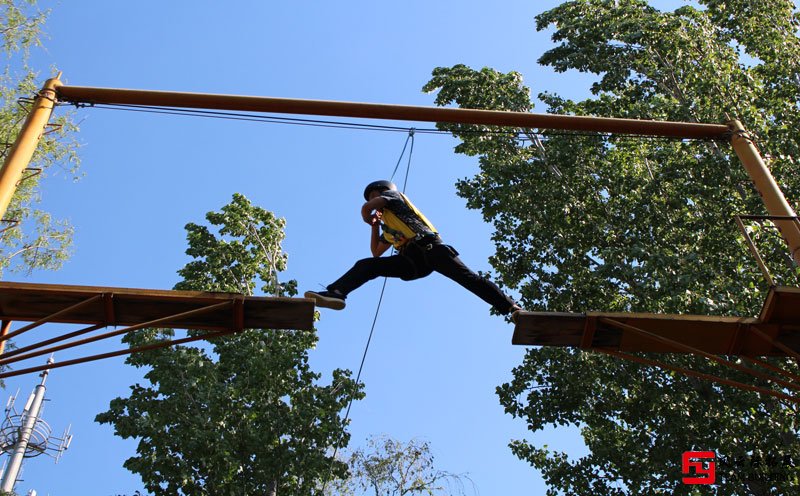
<point x="381" y="185"/>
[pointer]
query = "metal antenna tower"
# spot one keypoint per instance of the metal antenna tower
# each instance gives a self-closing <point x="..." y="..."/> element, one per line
<point x="26" y="435"/>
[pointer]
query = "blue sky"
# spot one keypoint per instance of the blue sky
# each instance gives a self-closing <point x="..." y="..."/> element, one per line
<point x="437" y="354"/>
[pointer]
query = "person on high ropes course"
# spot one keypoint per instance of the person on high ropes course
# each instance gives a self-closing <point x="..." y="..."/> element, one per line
<point x="395" y="221"/>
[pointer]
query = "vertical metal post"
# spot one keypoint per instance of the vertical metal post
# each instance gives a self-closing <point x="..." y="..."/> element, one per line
<point x="32" y="129"/>
<point x="6" y="325"/>
<point x="769" y="190"/>
<point x="30" y="415"/>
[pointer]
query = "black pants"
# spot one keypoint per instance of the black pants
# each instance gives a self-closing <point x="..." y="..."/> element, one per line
<point x="419" y="259"/>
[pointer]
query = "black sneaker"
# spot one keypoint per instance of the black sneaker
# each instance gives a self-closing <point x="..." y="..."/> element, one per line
<point x="327" y="299"/>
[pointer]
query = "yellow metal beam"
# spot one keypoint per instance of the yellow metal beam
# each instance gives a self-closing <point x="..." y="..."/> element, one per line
<point x="20" y="154"/>
<point x="85" y="94"/>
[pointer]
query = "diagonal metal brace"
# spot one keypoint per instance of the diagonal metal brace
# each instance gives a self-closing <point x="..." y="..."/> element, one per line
<point x="695" y="351"/>
<point x="127" y="351"/>
<point x="14" y="223"/>
<point x="152" y="323"/>
<point x="694" y="373"/>
<point x="32" y="172"/>
<point x="50" y="317"/>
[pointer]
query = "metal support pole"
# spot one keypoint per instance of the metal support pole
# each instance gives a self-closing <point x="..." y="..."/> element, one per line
<point x="769" y="190"/>
<point x="20" y="154"/>
<point x="3" y="332"/>
<point x="29" y="418"/>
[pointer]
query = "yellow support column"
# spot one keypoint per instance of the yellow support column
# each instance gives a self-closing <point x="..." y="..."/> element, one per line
<point x="6" y="325"/>
<point x="20" y="154"/>
<point x="769" y="190"/>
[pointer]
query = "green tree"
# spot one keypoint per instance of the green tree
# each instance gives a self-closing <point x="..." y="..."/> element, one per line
<point x="593" y="222"/>
<point x="387" y="467"/>
<point x="38" y="241"/>
<point x="245" y="414"/>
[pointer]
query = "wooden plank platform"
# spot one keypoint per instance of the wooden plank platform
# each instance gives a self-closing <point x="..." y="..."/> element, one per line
<point x="127" y="307"/>
<point x="779" y="319"/>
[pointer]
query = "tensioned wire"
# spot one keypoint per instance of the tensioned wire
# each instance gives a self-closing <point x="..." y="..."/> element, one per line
<point x="271" y="119"/>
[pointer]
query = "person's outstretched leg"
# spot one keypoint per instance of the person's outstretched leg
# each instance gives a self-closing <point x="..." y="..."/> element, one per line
<point x="444" y="260"/>
<point x="364" y="270"/>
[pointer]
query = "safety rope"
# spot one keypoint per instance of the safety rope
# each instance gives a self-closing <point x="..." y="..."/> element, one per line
<point x="377" y="311"/>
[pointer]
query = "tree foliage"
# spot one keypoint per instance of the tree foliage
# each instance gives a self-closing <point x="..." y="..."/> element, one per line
<point x="246" y="414"/>
<point x="387" y="467"/>
<point x="593" y="222"/>
<point x="38" y="241"/>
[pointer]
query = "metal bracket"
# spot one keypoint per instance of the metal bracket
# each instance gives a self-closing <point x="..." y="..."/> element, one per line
<point x="14" y="223"/>
<point x="33" y="172"/>
<point x="53" y="127"/>
<point x="25" y="102"/>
